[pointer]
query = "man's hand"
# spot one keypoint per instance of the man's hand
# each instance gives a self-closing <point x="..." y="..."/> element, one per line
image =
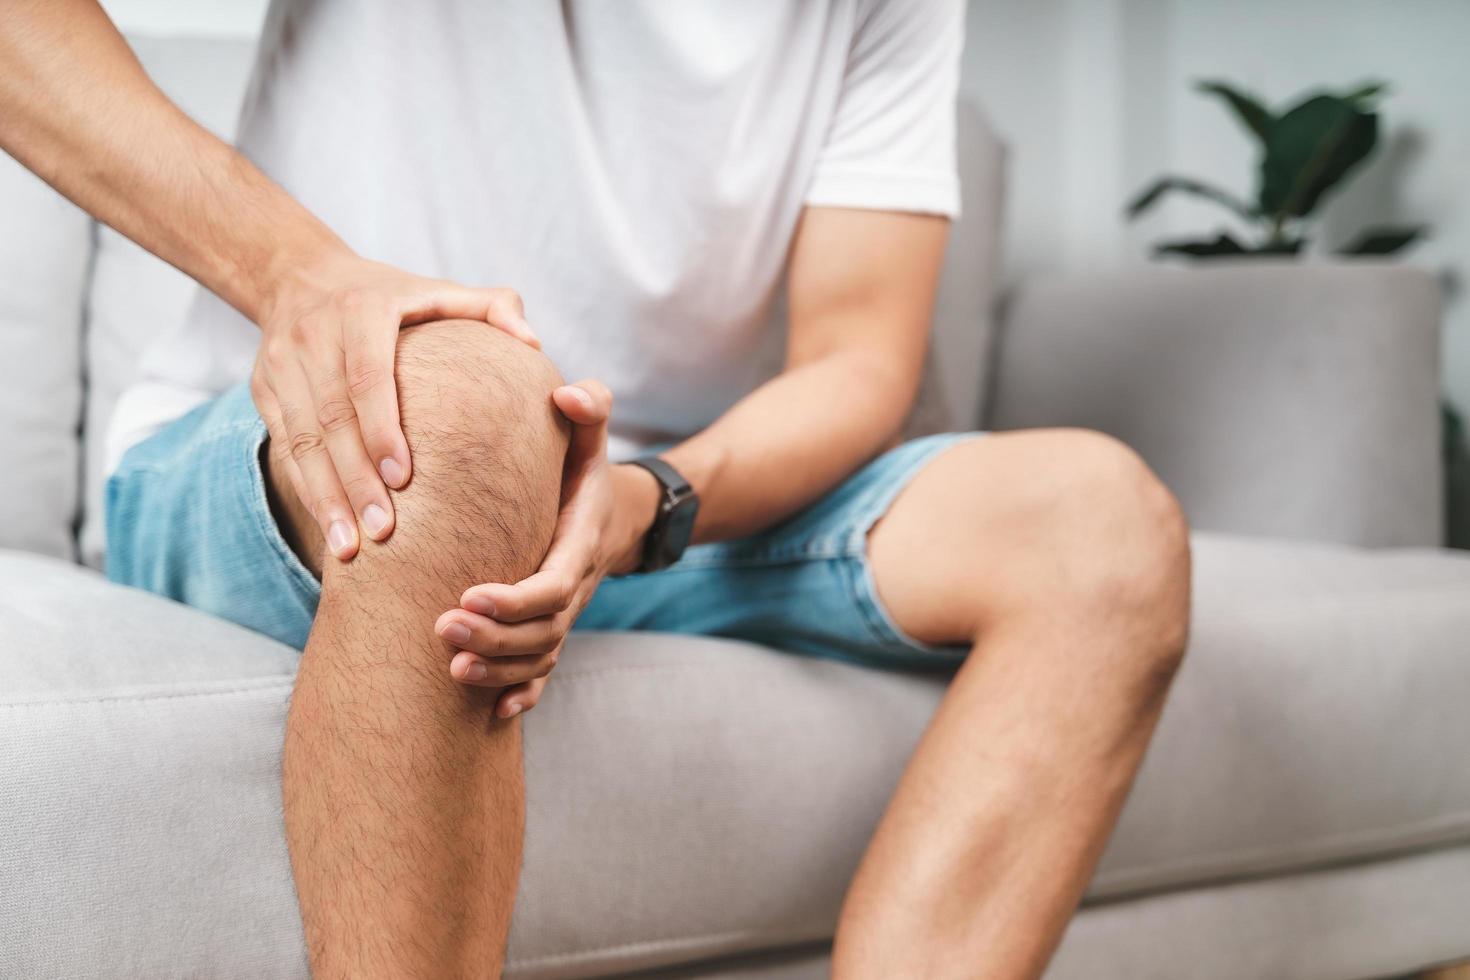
<point x="323" y="382"/>
<point x="510" y="636"/>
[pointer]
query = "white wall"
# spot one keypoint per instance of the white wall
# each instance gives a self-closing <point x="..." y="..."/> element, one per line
<point x="1094" y="99"/>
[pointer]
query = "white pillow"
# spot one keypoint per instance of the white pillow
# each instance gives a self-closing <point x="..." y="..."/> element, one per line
<point x="45" y="245"/>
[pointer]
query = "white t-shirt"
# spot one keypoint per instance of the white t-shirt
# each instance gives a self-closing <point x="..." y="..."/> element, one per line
<point x="634" y="169"/>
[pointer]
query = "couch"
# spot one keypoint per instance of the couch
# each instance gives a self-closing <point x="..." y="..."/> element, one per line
<point x="696" y="806"/>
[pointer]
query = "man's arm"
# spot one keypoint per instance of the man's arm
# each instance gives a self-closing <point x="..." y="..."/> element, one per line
<point x="77" y="108"/>
<point x="861" y="293"/>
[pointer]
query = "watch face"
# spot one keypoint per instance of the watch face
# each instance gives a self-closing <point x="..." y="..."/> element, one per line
<point x="680" y="528"/>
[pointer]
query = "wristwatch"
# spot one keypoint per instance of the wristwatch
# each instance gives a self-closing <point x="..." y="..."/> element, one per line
<point x="674" y="523"/>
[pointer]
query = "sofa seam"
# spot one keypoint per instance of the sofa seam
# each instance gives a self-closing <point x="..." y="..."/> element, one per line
<point x="645" y="945"/>
<point x="1449" y="830"/>
<point x="283" y="681"/>
<point x="658" y="668"/>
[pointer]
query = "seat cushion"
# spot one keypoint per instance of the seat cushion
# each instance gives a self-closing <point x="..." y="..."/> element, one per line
<point x="1320" y="716"/>
<point x="692" y="798"/>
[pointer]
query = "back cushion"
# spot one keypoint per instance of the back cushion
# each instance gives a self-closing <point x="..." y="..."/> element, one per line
<point x="964" y="310"/>
<point x="135" y="297"/>
<point x="45" y="245"/>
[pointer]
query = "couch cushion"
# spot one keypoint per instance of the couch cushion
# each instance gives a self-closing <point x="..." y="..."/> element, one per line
<point x="690" y="798"/>
<point x="45" y="245"/>
<point x="1320" y="717"/>
<point x="134" y="296"/>
<point x="1275" y="397"/>
<point x="139" y="761"/>
<point x="964" y="308"/>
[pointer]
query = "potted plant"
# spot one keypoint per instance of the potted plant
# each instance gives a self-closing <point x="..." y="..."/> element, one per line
<point x="1306" y="151"/>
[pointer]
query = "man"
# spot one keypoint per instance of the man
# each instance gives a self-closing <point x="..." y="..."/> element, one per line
<point x="382" y="469"/>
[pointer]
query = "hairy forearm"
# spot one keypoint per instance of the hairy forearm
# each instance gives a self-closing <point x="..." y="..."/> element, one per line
<point x="792" y="440"/>
<point x="78" y="110"/>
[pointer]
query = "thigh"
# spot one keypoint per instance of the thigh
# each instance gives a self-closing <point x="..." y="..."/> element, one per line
<point x="805" y="586"/>
<point x="188" y="517"/>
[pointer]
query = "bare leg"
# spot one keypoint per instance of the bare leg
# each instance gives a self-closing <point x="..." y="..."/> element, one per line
<point x="404" y="797"/>
<point x="1065" y="562"/>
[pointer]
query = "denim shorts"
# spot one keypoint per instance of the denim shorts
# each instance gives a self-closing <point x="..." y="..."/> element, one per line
<point x="187" y="518"/>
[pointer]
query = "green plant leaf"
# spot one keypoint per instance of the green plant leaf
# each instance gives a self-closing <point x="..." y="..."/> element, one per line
<point x="1456" y="478"/>
<point x="1383" y="241"/>
<point x="1221" y="244"/>
<point x="1225" y="245"/>
<point x="1187" y="185"/>
<point x="1256" y="117"/>
<point x="1366" y="92"/>
<point x="1310" y="149"/>
<point x="1279" y="246"/>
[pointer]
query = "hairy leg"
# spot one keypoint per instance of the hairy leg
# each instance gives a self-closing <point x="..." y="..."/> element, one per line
<point x="1065" y="563"/>
<point x="403" y="794"/>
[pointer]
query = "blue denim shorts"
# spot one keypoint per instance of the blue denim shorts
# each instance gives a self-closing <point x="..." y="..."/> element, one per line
<point x="187" y="518"/>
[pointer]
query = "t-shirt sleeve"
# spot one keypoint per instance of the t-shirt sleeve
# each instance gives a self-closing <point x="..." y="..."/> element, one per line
<point x="891" y="143"/>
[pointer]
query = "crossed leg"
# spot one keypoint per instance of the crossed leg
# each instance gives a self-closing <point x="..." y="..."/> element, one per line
<point x="403" y="794"/>
<point x="1065" y="562"/>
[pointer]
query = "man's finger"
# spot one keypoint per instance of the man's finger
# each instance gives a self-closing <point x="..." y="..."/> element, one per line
<point x="324" y="497"/>
<point x="545" y="593"/>
<point x="371" y="342"/>
<point x="500" y="308"/>
<point x="502" y="672"/>
<point x="270" y="413"/>
<point x="337" y="420"/>
<point x="486" y="637"/>
<point x="520" y="699"/>
<point x="587" y="402"/>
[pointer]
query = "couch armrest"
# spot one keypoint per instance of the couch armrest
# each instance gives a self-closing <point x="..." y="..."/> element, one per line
<point x="1278" y="399"/>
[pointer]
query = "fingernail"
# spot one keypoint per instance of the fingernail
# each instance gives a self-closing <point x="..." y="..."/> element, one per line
<point x="530" y="333"/>
<point x="391" y="471"/>
<point x="513" y="709"/>
<point x="375" y="519"/>
<point x="480" y="604"/>
<point x="456" y="633"/>
<point x="339" y="538"/>
<point x="582" y="396"/>
<point x="475" y="672"/>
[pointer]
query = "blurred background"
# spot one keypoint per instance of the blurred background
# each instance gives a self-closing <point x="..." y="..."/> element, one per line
<point x="1095" y="98"/>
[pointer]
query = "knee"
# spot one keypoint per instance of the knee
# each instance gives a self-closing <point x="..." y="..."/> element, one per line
<point x="476" y="409"/>
<point x="1115" y="539"/>
<point x="487" y="446"/>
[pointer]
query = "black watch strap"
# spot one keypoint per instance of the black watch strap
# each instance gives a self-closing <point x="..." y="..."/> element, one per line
<point x="673" y="525"/>
<point x="672" y="480"/>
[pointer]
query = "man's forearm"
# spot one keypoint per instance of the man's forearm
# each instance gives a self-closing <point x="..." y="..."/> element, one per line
<point x="792" y="440"/>
<point x="77" y="108"/>
<point x="860" y="291"/>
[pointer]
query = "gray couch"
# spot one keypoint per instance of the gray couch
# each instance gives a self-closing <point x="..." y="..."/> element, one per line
<point x="696" y="806"/>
